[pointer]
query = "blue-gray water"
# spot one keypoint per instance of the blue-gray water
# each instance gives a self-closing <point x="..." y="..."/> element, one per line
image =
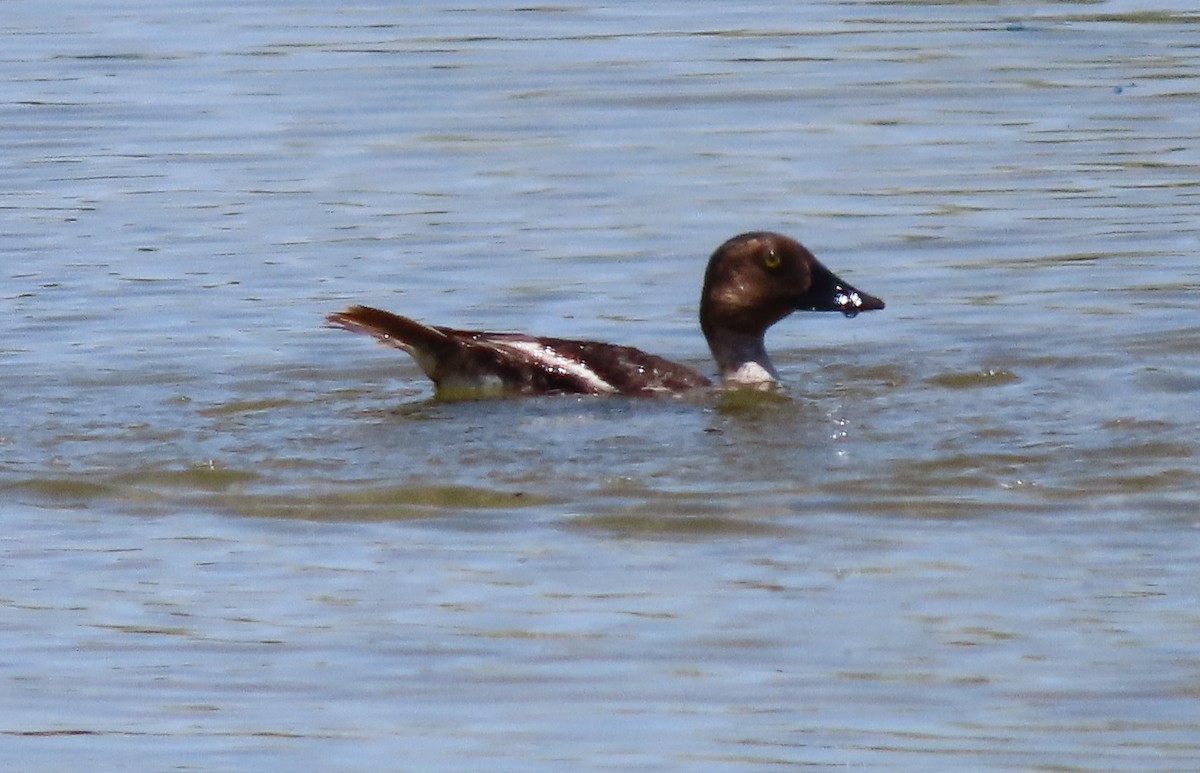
<point x="233" y="539"/>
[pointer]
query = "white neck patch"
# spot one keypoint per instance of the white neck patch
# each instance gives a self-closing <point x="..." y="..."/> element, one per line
<point x="751" y="373"/>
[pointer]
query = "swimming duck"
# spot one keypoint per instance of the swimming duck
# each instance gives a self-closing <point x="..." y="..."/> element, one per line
<point x="752" y="281"/>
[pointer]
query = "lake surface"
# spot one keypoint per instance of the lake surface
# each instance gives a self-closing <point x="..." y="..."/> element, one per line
<point x="967" y="538"/>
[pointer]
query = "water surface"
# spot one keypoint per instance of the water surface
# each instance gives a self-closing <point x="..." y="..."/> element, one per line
<point x="966" y="539"/>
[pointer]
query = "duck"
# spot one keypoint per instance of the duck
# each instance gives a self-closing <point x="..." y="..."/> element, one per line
<point x="752" y="281"/>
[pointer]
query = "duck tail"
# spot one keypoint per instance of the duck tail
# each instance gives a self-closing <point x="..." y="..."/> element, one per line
<point x="391" y="329"/>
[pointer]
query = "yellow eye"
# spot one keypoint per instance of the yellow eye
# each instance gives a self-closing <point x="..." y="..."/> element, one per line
<point x="772" y="259"/>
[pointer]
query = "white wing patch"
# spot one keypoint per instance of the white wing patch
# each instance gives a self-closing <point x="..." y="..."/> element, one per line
<point x="553" y="360"/>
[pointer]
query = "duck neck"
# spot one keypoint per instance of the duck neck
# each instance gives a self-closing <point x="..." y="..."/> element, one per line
<point x="742" y="359"/>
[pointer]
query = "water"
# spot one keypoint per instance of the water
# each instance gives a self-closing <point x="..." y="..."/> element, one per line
<point x="234" y="538"/>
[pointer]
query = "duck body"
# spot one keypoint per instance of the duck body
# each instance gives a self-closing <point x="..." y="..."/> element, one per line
<point x="752" y="281"/>
<point x="480" y="363"/>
